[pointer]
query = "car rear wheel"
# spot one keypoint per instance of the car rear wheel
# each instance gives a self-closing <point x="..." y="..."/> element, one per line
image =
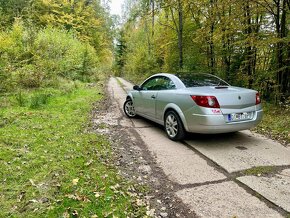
<point x="129" y="109"/>
<point x="173" y="126"/>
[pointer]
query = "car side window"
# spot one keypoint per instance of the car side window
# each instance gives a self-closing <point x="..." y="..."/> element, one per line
<point x="150" y="84"/>
<point x="169" y="84"/>
<point x="158" y="83"/>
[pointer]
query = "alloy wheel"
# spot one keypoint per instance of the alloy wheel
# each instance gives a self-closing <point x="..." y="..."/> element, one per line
<point x="129" y="108"/>
<point x="171" y="125"/>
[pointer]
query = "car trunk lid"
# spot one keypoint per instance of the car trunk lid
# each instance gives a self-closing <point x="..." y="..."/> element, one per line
<point x="235" y="98"/>
<point x="229" y="97"/>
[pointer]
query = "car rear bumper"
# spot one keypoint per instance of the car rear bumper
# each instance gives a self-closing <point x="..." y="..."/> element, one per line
<point x="212" y="124"/>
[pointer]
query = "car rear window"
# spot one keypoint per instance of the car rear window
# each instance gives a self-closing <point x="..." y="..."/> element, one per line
<point x="197" y="80"/>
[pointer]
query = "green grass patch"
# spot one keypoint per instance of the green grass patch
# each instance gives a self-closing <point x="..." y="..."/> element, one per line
<point x="51" y="165"/>
<point x="259" y="170"/>
<point x="275" y="123"/>
<point x="120" y="83"/>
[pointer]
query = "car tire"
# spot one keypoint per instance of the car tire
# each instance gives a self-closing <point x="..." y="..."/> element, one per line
<point x="129" y="109"/>
<point x="174" y="126"/>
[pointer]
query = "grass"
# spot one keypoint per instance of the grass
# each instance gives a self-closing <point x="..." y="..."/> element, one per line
<point x="51" y="165"/>
<point x="120" y="83"/>
<point x="276" y="123"/>
<point x="259" y="170"/>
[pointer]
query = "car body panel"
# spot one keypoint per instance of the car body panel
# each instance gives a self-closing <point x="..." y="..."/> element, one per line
<point x="234" y="102"/>
<point x="145" y="102"/>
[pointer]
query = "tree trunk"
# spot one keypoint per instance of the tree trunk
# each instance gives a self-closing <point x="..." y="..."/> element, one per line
<point x="212" y="62"/>
<point x="179" y="30"/>
<point x="153" y="16"/>
<point x="282" y="63"/>
<point x="226" y="44"/>
<point x="249" y="56"/>
<point x="180" y="34"/>
<point x="211" y="51"/>
<point x="148" y="37"/>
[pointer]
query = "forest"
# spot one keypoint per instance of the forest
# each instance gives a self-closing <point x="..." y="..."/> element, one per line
<point x="246" y="42"/>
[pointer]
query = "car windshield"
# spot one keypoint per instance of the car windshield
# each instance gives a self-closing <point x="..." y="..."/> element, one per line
<point x="197" y="80"/>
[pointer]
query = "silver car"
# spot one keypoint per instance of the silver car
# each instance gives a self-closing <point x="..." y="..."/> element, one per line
<point x="197" y="103"/>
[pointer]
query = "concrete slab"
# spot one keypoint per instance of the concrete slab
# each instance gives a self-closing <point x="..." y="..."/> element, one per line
<point x="276" y="189"/>
<point x="240" y="151"/>
<point x="126" y="122"/>
<point x="178" y="162"/>
<point x="142" y="123"/>
<point x="225" y="199"/>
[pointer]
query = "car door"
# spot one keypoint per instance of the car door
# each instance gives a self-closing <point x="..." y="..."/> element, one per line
<point x="149" y="103"/>
<point x="146" y="97"/>
<point x="166" y="94"/>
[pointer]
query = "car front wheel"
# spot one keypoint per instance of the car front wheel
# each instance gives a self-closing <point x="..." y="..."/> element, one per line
<point x="129" y="108"/>
<point x="173" y="126"/>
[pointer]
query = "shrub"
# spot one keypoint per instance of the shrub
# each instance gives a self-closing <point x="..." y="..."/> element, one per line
<point x="40" y="59"/>
<point x="4" y="78"/>
<point x="61" y="54"/>
<point x="11" y="48"/>
<point x="30" y="77"/>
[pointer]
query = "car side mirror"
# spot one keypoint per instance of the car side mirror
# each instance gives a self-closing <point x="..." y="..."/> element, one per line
<point x="138" y="88"/>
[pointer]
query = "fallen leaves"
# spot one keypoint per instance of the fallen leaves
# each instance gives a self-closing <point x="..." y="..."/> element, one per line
<point x="75" y="181"/>
<point x="32" y="183"/>
<point x="89" y="162"/>
<point x="78" y="197"/>
<point x="75" y="213"/>
<point x="21" y="196"/>
<point x="97" y="194"/>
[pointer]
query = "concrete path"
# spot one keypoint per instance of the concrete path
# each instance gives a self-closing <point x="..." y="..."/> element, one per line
<point x="228" y="175"/>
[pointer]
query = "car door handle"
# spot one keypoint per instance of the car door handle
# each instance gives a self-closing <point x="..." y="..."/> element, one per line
<point x="153" y="96"/>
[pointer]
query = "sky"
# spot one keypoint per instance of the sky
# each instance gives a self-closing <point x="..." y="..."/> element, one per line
<point x="116" y="7"/>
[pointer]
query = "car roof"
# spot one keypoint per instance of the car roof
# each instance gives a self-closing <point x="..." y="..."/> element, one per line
<point x="177" y="74"/>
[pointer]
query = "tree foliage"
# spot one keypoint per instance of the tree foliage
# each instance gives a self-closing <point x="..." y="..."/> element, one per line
<point x="42" y="40"/>
<point x="245" y="42"/>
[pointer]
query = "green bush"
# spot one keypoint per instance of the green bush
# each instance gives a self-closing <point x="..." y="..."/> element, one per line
<point x="11" y="43"/>
<point x="11" y="48"/>
<point x="30" y="77"/>
<point x="61" y="54"/>
<point x="4" y="78"/>
<point x="34" y="60"/>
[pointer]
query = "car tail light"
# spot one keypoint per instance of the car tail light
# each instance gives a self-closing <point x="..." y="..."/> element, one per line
<point x="206" y="101"/>
<point x="258" y="98"/>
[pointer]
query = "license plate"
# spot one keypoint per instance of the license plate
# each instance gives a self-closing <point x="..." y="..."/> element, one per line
<point x="240" y="116"/>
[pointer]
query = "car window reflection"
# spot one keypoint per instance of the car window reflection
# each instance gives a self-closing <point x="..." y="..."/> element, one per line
<point x="158" y="83"/>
